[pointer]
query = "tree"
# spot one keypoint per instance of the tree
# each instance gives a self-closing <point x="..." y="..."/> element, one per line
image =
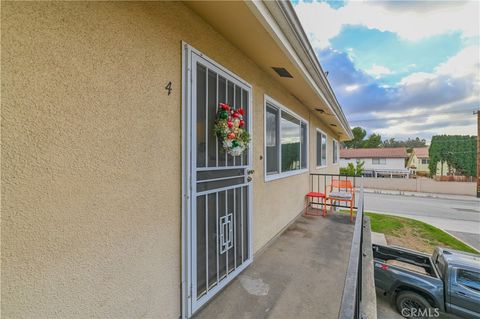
<point x="458" y="151"/>
<point x="391" y="143"/>
<point x="373" y="141"/>
<point x="353" y="170"/>
<point x="358" y="136"/>
<point x="409" y="143"/>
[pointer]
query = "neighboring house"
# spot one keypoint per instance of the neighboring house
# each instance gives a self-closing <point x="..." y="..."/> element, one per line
<point x="418" y="163"/>
<point x="113" y="182"/>
<point x="378" y="162"/>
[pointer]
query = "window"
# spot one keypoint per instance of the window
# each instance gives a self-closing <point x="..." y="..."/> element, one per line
<point x="424" y="160"/>
<point x="304" y="145"/>
<point x="321" y="149"/>
<point x="469" y="279"/>
<point x="335" y="152"/>
<point x="379" y="161"/>
<point x="286" y="141"/>
<point x="272" y="139"/>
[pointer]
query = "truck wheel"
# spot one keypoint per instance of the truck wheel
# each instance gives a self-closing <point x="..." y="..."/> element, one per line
<point x="412" y="305"/>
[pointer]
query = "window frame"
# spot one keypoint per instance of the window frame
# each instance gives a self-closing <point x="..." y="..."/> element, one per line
<point x="457" y="274"/>
<point x="335" y="142"/>
<point x="282" y="108"/>
<point x="326" y="149"/>
<point x="379" y="162"/>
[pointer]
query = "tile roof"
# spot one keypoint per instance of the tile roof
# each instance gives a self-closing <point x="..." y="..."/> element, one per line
<point x="394" y="152"/>
<point x="421" y="152"/>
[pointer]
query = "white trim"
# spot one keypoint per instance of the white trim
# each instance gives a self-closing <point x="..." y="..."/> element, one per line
<point x="279" y="105"/>
<point x="186" y="160"/>
<point x="326" y="149"/>
<point x="189" y="303"/>
<point x="282" y="108"/>
<point x="221" y="68"/>
<point x="273" y="177"/>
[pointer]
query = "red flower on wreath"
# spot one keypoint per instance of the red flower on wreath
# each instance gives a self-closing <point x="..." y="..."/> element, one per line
<point x="225" y="107"/>
<point x="241" y="111"/>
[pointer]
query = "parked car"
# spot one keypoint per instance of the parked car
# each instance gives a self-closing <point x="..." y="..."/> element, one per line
<point x="421" y="286"/>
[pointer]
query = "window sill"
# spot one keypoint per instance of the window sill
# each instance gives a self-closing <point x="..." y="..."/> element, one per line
<point x="321" y="167"/>
<point x="273" y="177"/>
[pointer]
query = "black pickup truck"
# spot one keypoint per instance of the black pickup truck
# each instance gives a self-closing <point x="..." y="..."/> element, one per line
<point x="421" y="286"/>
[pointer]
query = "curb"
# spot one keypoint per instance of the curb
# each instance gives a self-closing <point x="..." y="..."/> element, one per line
<point x="460" y="240"/>
<point x="446" y="231"/>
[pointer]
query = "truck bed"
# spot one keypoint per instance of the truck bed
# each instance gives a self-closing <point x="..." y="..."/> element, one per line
<point x="406" y="259"/>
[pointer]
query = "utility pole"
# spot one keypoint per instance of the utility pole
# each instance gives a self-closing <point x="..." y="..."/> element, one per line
<point x="478" y="152"/>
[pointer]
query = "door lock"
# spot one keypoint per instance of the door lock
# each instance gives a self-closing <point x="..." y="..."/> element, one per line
<point x="250" y="171"/>
<point x="249" y="179"/>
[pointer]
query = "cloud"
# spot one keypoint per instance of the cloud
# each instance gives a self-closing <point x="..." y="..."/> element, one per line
<point x="378" y="70"/>
<point x="422" y="104"/>
<point x="423" y="6"/>
<point x="400" y="68"/>
<point x="350" y="88"/>
<point x="417" y="77"/>
<point x="454" y="80"/>
<point x="322" y="22"/>
<point x="464" y="63"/>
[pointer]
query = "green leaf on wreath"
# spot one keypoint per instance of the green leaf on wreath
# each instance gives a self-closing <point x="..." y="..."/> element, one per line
<point x="223" y="114"/>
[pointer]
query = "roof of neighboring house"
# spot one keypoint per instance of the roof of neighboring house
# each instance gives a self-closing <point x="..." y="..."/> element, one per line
<point x="395" y="152"/>
<point x="421" y="152"/>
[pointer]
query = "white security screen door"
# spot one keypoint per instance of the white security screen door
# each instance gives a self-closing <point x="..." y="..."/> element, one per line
<point x="219" y="192"/>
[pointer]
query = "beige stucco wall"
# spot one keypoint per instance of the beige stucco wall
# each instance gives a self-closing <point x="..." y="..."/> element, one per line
<point x="91" y="157"/>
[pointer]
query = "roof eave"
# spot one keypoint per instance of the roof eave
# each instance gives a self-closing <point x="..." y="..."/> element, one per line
<point x="283" y="21"/>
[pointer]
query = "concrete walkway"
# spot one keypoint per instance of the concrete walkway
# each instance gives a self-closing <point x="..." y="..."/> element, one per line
<point x="301" y="275"/>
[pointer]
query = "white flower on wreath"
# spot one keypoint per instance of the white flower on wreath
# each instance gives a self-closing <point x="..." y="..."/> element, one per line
<point x="236" y="151"/>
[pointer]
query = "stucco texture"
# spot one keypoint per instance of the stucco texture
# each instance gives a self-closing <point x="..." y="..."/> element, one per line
<point x="91" y="156"/>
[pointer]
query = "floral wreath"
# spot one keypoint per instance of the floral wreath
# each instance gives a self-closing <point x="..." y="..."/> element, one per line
<point x="229" y="128"/>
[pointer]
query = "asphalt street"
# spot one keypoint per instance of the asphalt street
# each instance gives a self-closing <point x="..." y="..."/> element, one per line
<point x="458" y="216"/>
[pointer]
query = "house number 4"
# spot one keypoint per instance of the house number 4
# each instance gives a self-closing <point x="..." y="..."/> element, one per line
<point x="168" y="87"/>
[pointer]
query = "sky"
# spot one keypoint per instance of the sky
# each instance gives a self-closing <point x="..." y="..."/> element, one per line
<point x="400" y="68"/>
